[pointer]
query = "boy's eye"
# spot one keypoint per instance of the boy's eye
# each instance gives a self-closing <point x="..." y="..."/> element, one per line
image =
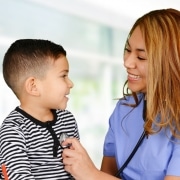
<point x="64" y="76"/>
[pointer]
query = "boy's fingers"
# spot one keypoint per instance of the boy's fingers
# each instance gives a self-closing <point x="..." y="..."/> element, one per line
<point x="4" y="171"/>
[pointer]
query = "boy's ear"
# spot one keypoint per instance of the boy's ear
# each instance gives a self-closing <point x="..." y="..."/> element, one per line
<point x="31" y="86"/>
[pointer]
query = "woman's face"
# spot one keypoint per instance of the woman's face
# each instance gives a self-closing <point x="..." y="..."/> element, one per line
<point x="135" y="62"/>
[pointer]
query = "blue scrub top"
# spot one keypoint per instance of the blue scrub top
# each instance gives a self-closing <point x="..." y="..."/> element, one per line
<point x="157" y="156"/>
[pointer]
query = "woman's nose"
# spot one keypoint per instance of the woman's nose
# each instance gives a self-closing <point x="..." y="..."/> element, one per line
<point x="130" y="62"/>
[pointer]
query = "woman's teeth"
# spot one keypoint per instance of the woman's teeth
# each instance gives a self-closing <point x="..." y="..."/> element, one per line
<point x="133" y="76"/>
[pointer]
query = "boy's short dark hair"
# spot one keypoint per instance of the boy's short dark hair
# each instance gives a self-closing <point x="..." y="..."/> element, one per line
<point x="28" y="57"/>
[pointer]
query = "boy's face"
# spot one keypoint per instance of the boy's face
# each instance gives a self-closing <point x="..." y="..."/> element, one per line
<point x="56" y="85"/>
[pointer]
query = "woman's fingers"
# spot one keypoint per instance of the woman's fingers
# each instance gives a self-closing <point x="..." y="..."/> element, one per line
<point x="73" y="143"/>
<point x="74" y="155"/>
<point x="76" y="158"/>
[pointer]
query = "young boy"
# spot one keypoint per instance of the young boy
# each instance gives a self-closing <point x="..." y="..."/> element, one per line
<point x="37" y="72"/>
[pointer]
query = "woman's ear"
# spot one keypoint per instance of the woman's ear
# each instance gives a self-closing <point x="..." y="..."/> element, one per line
<point x="31" y="86"/>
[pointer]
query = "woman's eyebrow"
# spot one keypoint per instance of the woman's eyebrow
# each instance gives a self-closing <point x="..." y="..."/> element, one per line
<point x="137" y="49"/>
<point x="141" y="50"/>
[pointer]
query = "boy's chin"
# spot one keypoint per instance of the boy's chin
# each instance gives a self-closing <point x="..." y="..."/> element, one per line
<point x="63" y="107"/>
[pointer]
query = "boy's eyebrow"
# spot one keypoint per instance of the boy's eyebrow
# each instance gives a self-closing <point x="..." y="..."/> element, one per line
<point x="138" y="49"/>
<point x="65" y="70"/>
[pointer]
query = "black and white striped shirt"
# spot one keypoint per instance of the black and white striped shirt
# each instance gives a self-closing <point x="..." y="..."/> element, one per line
<point x="30" y="148"/>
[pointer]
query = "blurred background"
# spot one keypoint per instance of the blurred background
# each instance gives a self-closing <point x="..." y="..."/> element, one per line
<point x="93" y="32"/>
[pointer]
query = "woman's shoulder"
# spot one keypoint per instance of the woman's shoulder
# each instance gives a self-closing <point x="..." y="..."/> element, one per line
<point x="130" y="99"/>
<point x="127" y="103"/>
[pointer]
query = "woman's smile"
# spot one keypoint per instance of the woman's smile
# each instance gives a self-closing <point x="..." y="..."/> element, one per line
<point x="133" y="77"/>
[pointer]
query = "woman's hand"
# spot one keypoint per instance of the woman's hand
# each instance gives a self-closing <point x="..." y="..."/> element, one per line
<point x="79" y="164"/>
<point x="77" y="161"/>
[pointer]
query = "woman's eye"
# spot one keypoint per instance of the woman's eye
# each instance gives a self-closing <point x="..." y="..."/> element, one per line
<point x="127" y="50"/>
<point x="140" y="58"/>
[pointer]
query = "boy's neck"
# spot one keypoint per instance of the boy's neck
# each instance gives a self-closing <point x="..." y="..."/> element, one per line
<point x="40" y="114"/>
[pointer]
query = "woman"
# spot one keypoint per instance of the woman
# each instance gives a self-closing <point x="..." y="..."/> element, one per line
<point x="151" y="108"/>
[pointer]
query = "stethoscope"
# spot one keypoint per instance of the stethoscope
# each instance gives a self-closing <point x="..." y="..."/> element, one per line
<point x="120" y="170"/>
<point x="62" y="138"/>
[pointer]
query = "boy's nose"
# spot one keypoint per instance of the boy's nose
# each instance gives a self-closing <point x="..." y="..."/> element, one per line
<point x="71" y="84"/>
